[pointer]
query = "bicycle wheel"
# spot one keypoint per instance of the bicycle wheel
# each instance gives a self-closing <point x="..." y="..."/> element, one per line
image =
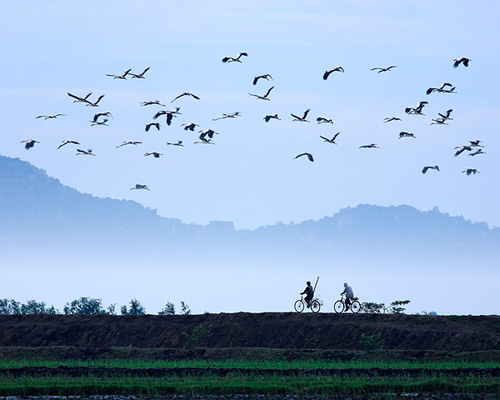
<point x="315" y="306"/>
<point x="338" y="306"/>
<point x="299" y="306"/>
<point x="355" y="307"/>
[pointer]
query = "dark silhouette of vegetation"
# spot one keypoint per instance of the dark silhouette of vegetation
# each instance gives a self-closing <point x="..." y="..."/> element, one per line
<point x="12" y="307"/>
<point x="84" y="305"/>
<point x="372" y="343"/>
<point x="136" y="308"/>
<point x="198" y="334"/>
<point x="396" y="307"/>
<point x="169" y="309"/>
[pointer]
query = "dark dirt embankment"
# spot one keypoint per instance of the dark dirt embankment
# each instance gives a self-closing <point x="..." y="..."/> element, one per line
<point x="247" y="330"/>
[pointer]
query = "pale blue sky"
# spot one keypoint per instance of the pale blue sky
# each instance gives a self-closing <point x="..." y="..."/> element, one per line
<point x="250" y="177"/>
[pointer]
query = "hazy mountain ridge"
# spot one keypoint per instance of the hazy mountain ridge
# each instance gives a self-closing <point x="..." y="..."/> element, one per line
<point x="36" y="207"/>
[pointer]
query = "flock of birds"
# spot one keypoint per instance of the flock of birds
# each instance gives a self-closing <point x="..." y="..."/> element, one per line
<point x="206" y="136"/>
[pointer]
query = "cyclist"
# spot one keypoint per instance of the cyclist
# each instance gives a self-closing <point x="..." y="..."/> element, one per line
<point x="309" y="292"/>
<point x="349" y="294"/>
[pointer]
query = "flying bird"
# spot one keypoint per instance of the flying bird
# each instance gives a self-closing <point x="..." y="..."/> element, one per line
<point x="126" y="142"/>
<point x="461" y="149"/>
<point x="417" y="110"/>
<point x="122" y="76"/>
<point x="430" y="167"/>
<point x="65" y="142"/>
<point x="332" y="140"/>
<point x="477" y="152"/>
<point x="406" y="134"/>
<point x="328" y="72"/>
<point x="207" y="132"/>
<point x="178" y="143"/>
<point x="441" y="89"/>
<point x="266" y="77"/>
<point x="53" y="116"/>
<point x="151" y="103"/>
<point x="79" y="99"/>
<point x="462" y="60"/>
<point x="309" y="156"/>
<point x="475" y="143"/>
<point x="95" y="104"/>
<point x="383" y="69"/>
<point x="190" y="126"/>
<point x="154" y="154"/>
<point x="323" y="120"/>
<point x="29" y="143"/>
<point x="265" y="96"/>
<point x="138" y="186"/>
<point x="141" y="75"/>
<point x="390" y="119"/>
<point x="155" y="124"/>
<point x="169" y="115"/>
<point x="447" y="115"/>
<point x="439" y="121"/>
<point x="470" y="171"/>
<point x="87" y="152"/>
<point x="102" y="114"/>
<point x="267" y="118"/>
<point x="234" y="59"/>
<point x="369" y="146"/>
<point x="186" y="94"/>
<point x="230" y="115"/>
<point x="101" y="122"/>
<point x="303" y="118"/>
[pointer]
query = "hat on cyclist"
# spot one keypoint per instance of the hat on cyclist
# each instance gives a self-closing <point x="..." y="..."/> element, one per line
<point x="308" y="282"/>
<point x="345" y="284"/>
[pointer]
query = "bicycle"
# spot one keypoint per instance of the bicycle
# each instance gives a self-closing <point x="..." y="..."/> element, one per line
<point x="339" y="306"/>
<point x="301" y="304"/>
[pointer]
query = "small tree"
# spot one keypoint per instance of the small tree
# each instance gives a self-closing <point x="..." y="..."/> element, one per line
<point x="34" y="307"/>
<point x="136" y="308"/>
<point x="169" y="309"/>
<point x="84" y="305"/>
<point x="9" y="307"/>
<point x="371" y="343"/>
<point x="185" y="310"/>
<point x="398" y="306"/>
<point x="370" y="307"/>
<point x="112" y="309"/>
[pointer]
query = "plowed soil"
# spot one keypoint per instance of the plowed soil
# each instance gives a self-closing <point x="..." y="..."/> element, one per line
<point x="292" y="331"/>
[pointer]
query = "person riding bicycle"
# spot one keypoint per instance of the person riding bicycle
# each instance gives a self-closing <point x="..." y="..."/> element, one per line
<point x="309" y="292"/>
<point x="349" y="294"/>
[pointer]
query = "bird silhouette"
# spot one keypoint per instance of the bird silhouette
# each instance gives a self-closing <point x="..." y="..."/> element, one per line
<point x="65" y="142"/>
<point x="29" y="143"/>
<point x="462" y="60"/>
<point x="126" y="143"/>
<point x="155" y="124"/>
<point x="234" y="59"/>
<point x="138" y="186"/>
<point x="266" y="77"/>
<point x="303" y="118"/>
<point x="263" y="97"/>
<point x="309" y="156"/>
<point x="267" y="118"/>
<point x="186" y="94"/>
<point x="435" y="167"/>
<point x="380" y="70"/>
<point x="141" y="75"/>
<point x="332" y="140"/>
<point x="154" y="154"/>
<point x="53" y="116"/>
<point x="323" y="120"/>
<point x="328" y="72"/>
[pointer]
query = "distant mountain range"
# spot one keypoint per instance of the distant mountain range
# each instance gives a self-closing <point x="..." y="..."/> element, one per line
<point x="37" y="211"/>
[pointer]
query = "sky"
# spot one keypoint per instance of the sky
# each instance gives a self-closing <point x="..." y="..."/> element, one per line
<point x="250" y="175"/>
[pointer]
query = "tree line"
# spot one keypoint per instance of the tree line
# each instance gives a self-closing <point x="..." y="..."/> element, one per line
<point x="85" y="305"/>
